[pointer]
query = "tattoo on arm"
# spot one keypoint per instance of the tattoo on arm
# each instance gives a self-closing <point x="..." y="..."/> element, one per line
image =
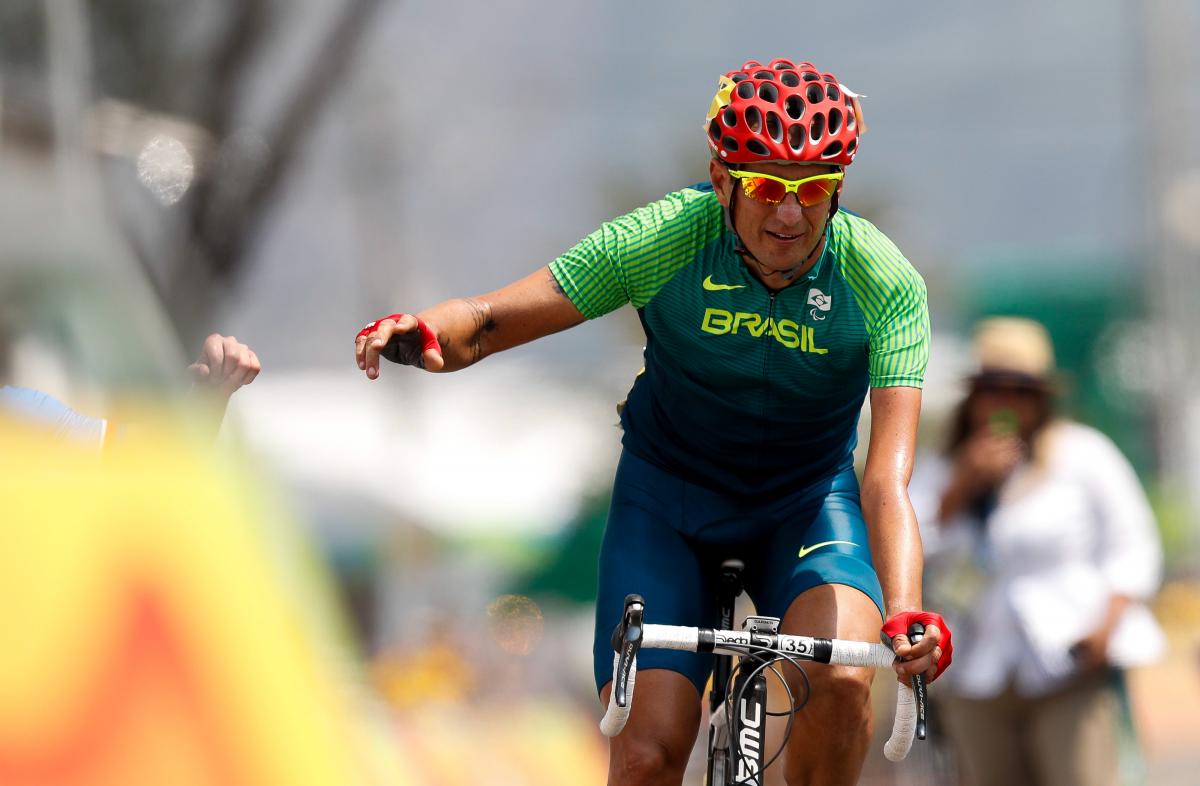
<point x="557" y="286"/>
<point x="481" y="314"/>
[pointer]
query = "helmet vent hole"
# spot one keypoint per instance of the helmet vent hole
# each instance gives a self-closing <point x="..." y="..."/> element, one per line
<point x="774" y="126"/>
<point x="757" y="148"/>
<point x="714" y="130"/>
<point x="739" y="77"/>
<point x="835" y="120"/>
<point x="730" y="144"/>
<point x="810" y="76"/>
<point x="832" y="149"/>
<point x="815" y="94"/>
<point x="753" y="119"/>
<point x="816" y="127"/>
<point x="745" y="89"/>
<point x="784" y="65"/>
<point x="796" y="137"/>
<point x="768" y="92"/>
<point x="789" y="78"/>
<point x="794" y="106"/>
<point x="768" y="75"/>
<point x="851" y="147"/>
<point x="729" y="118"/>
<point x="833" y="93"/>
<point x="829" y="78"/>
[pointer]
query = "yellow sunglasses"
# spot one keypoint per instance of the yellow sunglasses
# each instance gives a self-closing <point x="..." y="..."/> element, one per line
<point x="771" y="190"/>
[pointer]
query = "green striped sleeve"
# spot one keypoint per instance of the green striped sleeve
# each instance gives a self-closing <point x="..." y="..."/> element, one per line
<point x="628" y="259"/>
<point x="892" y="296"/>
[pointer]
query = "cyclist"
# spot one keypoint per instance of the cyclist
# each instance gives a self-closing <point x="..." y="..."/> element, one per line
<point x="769" y="314"/>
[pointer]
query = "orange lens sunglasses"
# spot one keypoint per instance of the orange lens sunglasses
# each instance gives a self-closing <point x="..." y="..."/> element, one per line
<point x="771" y="190"/>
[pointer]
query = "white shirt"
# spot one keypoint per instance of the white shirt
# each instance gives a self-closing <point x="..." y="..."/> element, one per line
<point x="1069" y="531"/>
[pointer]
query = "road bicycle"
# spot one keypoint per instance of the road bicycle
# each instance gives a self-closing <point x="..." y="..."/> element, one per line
<point x="737" y="700"/>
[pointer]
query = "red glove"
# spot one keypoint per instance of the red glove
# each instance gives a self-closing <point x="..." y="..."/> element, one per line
<point x="394" y="351"/>
<point x="898" y="626"/>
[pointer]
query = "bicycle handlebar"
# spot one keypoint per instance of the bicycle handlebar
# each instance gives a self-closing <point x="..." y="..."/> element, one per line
<point x="832" y="651"/>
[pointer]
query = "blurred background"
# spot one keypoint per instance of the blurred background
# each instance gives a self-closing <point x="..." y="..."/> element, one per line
<point x="286" y="171"/>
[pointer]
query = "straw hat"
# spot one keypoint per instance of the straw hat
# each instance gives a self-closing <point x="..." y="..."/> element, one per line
<point x="1014" y="351"/>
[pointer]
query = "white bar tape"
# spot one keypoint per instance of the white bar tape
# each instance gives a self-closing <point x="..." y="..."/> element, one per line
<point x="615" y="717"/>
<point x="905" y="726"/>
<point x="670" y="637"/>
<point x="861" y="653"/>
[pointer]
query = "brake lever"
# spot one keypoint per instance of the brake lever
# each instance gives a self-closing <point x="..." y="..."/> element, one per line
<point x="627" y="640"/>
<point x="916" y="632"/>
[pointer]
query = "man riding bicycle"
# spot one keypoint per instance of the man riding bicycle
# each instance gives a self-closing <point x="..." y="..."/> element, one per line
<point x="769" y="314"/>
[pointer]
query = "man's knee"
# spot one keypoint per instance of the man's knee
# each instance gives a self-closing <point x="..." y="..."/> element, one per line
<point x="646" y="760"/>
<point x="657" y="741"/>
<point x="842" y="695"/>
<point x="835" y="728"/>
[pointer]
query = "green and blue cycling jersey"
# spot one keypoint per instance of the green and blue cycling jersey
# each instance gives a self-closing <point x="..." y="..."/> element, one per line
<point x="748" y="391"/>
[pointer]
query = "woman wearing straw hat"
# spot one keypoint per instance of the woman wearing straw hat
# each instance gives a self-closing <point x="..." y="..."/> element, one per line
<point x="1038" y="534"/>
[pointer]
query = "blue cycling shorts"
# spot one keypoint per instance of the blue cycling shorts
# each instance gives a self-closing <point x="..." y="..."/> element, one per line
<point x="666" y="539"/>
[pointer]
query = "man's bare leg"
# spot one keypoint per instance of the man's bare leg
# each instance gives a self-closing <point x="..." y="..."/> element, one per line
<point x="831" y="734"/>
<point x="654" y="747"/>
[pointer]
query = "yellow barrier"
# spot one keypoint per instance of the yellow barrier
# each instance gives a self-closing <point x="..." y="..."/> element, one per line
<point x="146" y="633"/>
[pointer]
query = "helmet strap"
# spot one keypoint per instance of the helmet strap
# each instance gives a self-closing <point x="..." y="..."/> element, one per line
<point x="739" y="247"/>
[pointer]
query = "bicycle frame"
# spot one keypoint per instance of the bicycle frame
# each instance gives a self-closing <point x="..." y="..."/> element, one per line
<point x="746" y="752"/>
<point x="737" y="741"/>
<point x="729" y="588"/>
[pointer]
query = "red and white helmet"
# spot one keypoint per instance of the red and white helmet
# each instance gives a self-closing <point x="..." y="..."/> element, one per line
<point x="783" y="112"/>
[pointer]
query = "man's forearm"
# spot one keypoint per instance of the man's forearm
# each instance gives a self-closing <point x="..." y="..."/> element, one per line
<point x="470" y="329"/>
<point x="895" y="545"/>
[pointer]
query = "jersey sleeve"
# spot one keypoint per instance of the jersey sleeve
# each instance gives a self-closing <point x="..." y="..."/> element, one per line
<point x="628" y="259"/>
<point x="893" y="298"/>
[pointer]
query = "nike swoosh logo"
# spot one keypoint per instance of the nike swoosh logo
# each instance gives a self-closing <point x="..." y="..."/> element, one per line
<point x="805" y="550"/>
<point x="711" y="287"/>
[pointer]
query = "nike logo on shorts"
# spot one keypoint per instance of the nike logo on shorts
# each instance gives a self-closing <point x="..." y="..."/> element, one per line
<point x="806" y="550"/>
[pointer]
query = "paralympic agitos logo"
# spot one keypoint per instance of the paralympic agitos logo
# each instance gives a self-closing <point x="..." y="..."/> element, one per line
<point x="792" y="335"/>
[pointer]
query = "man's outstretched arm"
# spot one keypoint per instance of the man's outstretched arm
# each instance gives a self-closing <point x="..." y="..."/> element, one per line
<point x="469" y="329"/>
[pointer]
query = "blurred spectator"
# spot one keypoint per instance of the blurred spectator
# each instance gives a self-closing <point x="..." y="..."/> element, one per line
<point x="434" y="671"/>
<point x="1039" y="540"/>
<point x="223" y="365"/>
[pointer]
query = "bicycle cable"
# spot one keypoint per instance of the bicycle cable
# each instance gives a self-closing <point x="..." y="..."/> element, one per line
<point x="740" y="755"/>
<point x="768" y="663"/>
